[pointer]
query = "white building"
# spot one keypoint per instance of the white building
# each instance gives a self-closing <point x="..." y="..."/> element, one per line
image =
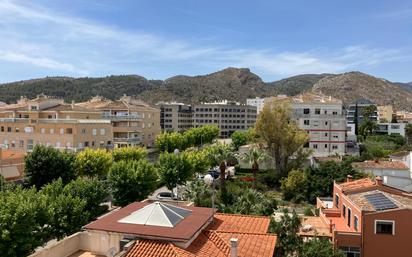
<point x="258" y="102"/>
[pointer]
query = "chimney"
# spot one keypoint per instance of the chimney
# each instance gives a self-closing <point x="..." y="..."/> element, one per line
<point x="233" y="247"/>
<point x="378" y="180"/>
<point x="349" y="178"/>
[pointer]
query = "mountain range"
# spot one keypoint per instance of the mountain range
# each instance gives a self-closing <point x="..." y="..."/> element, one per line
<point x="231" y="83"/>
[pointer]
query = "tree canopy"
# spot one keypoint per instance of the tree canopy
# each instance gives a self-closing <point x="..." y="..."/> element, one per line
<point x="93" y="163"/>
<point x="174" y="169"/>
<point x="129" y="154"/>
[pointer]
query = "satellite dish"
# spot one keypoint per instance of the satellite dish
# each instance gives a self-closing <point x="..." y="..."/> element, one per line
<point x="111" y="252"/>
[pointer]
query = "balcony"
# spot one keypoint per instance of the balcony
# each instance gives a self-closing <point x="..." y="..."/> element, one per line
<point x="14" y="120"/>
<point x="122" y="117"/>
<point x="127" y="139"/>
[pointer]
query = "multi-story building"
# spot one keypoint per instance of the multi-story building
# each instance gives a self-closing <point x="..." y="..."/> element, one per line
<point x="49" y="121"/>
<point x="357" y="109"/>
<point x="366" y="218"/>
<point x="228" y="116"/>
<point x="323" y="119"/>
<point x="134" y="122"/>
<point x="391" y="129"/>
<point x="258" y="102"/>
<point x="385" y="113"/>
<point x="175" y="116"/>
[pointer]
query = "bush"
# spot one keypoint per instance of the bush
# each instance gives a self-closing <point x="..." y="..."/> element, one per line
<point x="294" y="186"/>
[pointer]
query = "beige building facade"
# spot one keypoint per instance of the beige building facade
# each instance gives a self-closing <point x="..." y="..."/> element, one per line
<point x="175" y="116"/>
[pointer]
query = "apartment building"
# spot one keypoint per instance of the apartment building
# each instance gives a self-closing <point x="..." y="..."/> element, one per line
<point x="175" y="116"/>
<point x="356" y="109"/>
<point x="51" y="122"/>
<point x="228" y="116"/>
<point x="367" y="218"/>
<point x="385" y="113"/>
<point x="134" y="122"/>
<point x="258" y="102"/>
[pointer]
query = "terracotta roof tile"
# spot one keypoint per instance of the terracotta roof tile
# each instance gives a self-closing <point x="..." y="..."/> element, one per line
<point x="252" y="245"/>
<point x="151" y="248"/>
<point x="357" y="184"/>
<point x="240" y="223"/>
<point x="394" y="165"/>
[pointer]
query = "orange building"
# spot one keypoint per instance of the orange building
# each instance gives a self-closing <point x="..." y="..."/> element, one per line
<point x="369" y="219"/>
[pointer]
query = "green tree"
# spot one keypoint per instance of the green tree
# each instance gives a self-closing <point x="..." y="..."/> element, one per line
<point x="169" y="141"/>
<point x="23" y="219"/>
<point x="199" y="193"/>
<point x="220" y="154"/>
<point x="281" y="134"/>
<point x="201" y="135"/>
<point x="252" y="202"/>
<point x="93" y="191"/>
<point x="199" y="160"/>
<point x="294" y="186"/>
<point x="369" y="111"/>
<point x="45" y="164"/>
<point x="132" y="181"/>
<point x="66" y="213"/>
<point x="239" y="138"/>
<point x="129" y="154"/>
<point x="319" y="247"/>
<point x="367" y="128"/>
<point x="254" y="156"/>
<point x="288" y="240"/>
<point x="93" y="163"/>
<point x="174" y="169"/>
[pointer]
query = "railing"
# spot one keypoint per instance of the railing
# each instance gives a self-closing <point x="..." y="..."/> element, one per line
<point x="17" y="120"/>
<point x="127" y="139"/>
<point x="122" y="117"/>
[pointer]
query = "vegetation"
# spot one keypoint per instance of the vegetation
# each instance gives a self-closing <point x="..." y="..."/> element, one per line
<point x="281" y="134"/>
<point x="169" y="141"/>
<point x="294" y="186"/>
<point x="129" y="154"/>
<point x="239" y="138"/>
<point x="288" y="241"/>
<point x="93" y="163"/>
<point x="132" y="181"/>
<point x="254" y="157"/>
<point x="174" y="169"/>
<point x="319" y="247"/>
<point x="46" y="164"/>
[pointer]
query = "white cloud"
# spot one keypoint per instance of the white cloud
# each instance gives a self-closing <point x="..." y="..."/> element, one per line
<point x="44" y="38"/>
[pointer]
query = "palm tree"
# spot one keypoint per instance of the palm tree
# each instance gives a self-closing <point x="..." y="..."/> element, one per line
<point x="254" y="157"/>
<point x="219" y="155"/>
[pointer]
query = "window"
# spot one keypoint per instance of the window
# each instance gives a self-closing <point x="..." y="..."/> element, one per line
<point x="349" y="217"/>
<point x="8" y="129"/>
<point x="102" y="131"/>
<point x="337" y="201"/>
<point x="61" y="131"/>
<point x="335" y="113"/>
<point x="69" y="131"/>
<point x="317" y="111"/>
<point x="21" y="143"/>
<point x="334" y="147"/>
<point x="94" y="132"/>
<point x="350" y="251"/>
<point x="306" y="111"/>
<point x="386" y="227"/>
<point x="2" y="129"/>
<point x="326" y="145"/>
<point x="355" y="223"/>
<point x="86" y="144"/>
<point x="51" y="131"/>
<point x="42" y="130"/>
<point x="17" y="130"/>
<point x="344" y="211"/>
<point x="30" y="144"/>
<point x="326" y="134"/>
<point x="306" y="122"/>
<point x="84" y="131"/>
<point x="315" y="146"/>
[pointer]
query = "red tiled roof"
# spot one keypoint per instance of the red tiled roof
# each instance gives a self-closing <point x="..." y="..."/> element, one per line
<point x="252" y="245"/>
<point x="357" y="184"/>
<point x="182" y="232"/>
<point x="240" y="223"/>
<point x="393" y="165"/>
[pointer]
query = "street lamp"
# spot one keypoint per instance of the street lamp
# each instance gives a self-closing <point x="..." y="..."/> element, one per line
<point x="209" y="180"/>
<point x="176" y="152"/>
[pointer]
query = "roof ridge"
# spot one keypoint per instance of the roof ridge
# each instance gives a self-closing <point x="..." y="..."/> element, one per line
<point x="241" y="215"/>
<point x="226" y="245"/>
<point x="245" y="233"/>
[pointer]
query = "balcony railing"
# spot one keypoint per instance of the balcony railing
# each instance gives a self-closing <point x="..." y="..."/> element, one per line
<point x="127" y="139"/>
<point x="16" y="120"/>
<point x="122" y="117"/>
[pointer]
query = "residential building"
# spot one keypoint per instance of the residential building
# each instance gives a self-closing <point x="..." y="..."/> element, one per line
<point x="403" y="117"/>
<point x="385" y="113"/>
<point x="366" y="218"/>
<point x="395" y="172"/>
<point x="391" y="129"/>
<point x="323" y="119"/>
<point x="163" y="229"/>
<point x="134" y="122"/>
<point x="357" y="109"/>
<point x="11" y="165"/>
<point x="51" y="122"/>
<point x="228" y="116"/>
<point x="258" y="102"/>
<point x="175" y="116"/>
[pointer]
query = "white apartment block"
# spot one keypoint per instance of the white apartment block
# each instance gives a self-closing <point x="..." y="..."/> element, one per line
<point x="258" y="102"/>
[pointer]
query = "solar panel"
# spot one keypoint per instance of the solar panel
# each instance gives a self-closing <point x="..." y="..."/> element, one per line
<point x="380" y="201"/>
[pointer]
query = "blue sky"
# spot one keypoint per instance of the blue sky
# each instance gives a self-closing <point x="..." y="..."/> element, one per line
<point x="159" y="39"/>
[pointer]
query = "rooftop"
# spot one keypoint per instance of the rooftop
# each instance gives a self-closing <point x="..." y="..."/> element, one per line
<point x="393" y="165"/>
<point x="362" y="201"/>
<point x="359" y="184"/>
